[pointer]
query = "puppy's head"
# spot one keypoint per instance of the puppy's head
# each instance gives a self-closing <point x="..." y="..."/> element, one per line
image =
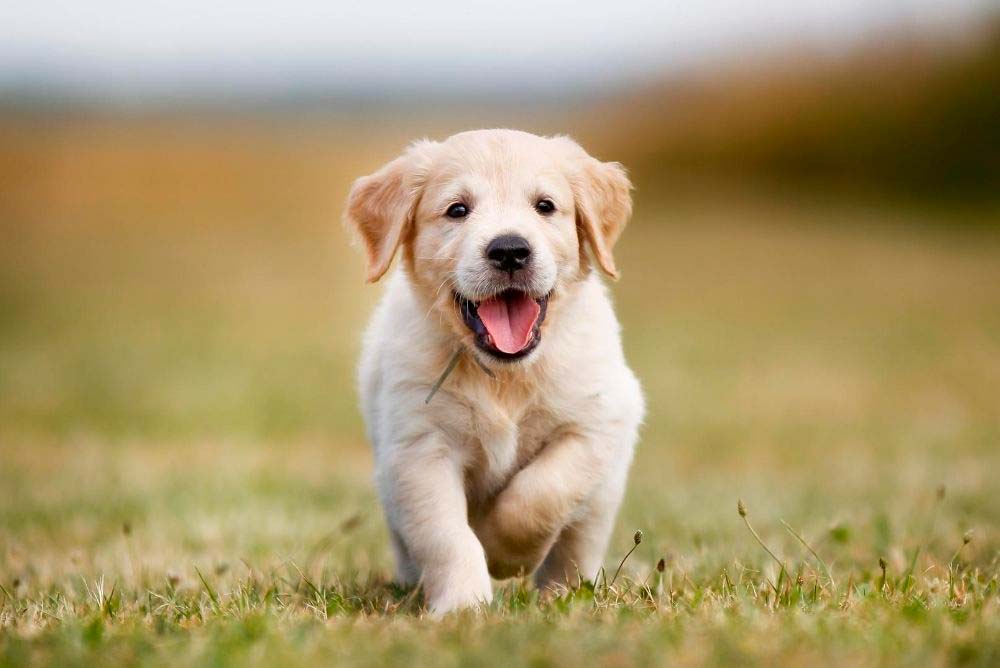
<point x="492" y="226"/>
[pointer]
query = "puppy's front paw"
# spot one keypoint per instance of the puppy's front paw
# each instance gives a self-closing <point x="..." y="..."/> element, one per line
<point x="460" y="598"/>
<point x="463" y="583"/>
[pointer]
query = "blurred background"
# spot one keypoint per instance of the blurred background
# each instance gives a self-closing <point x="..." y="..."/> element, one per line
<point x="811" y="289"/>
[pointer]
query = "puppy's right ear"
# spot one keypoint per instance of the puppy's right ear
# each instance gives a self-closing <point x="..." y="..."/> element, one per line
<point x="381" y="207"/>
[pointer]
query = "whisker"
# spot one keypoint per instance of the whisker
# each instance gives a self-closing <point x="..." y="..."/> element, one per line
<point x="445" y="281"/>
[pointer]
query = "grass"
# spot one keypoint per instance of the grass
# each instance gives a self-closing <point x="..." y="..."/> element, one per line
<point x="184" y="478"/>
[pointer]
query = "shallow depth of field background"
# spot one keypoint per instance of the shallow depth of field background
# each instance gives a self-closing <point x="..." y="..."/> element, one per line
<point x="810" y="296"/>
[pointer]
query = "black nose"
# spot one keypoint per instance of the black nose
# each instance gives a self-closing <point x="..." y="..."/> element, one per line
<point x="509" y="252"/>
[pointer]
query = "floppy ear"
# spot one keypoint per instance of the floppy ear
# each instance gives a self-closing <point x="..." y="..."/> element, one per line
<point x="603" y="203"/>
<point x="381" y="207"/>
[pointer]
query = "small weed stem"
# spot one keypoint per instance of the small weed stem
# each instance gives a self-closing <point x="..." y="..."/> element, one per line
<point x="742" y="509"/>
<point x="811" y="551"/>
<point x="636" y="539"/>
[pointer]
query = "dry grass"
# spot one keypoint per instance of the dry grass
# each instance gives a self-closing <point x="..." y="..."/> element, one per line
<point x="184" y="477"/>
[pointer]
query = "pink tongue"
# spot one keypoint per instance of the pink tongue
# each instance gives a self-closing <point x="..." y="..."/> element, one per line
<point x="509" y="318"/>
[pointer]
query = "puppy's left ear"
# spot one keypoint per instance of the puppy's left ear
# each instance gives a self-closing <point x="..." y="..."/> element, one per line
<point x="603" y="202"/>
<point x="382" y="205"/>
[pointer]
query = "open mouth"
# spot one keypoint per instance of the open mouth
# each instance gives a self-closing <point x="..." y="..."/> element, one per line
<point x="507" y="325"/>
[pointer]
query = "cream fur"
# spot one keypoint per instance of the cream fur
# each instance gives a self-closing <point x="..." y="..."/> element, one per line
<point x="523" y="471"/>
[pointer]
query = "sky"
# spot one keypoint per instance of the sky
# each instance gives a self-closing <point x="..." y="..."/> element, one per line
<point x="137" y="48"/>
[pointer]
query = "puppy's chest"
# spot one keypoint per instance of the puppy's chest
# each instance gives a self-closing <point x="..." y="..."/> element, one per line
<point x="505" y="442"/>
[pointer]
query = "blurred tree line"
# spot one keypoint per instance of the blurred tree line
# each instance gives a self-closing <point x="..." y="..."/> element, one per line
<point x="910" y="117"/>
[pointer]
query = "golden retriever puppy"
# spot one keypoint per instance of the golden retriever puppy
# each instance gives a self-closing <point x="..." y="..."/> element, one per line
<point x="497" y="399"/>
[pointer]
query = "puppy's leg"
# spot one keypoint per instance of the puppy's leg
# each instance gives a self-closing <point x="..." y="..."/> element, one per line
<point x="539" y="501"/>
<point x="407" y="573"/>
<point x="579" y="551"/>
<point x="423" y="489"/>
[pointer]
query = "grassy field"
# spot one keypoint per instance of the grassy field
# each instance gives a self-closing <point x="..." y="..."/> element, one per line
<point x="184" y="478"/>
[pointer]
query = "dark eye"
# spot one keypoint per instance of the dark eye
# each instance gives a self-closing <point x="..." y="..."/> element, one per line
<point x="457" y="210"/>
<point x="545" y="206"/>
